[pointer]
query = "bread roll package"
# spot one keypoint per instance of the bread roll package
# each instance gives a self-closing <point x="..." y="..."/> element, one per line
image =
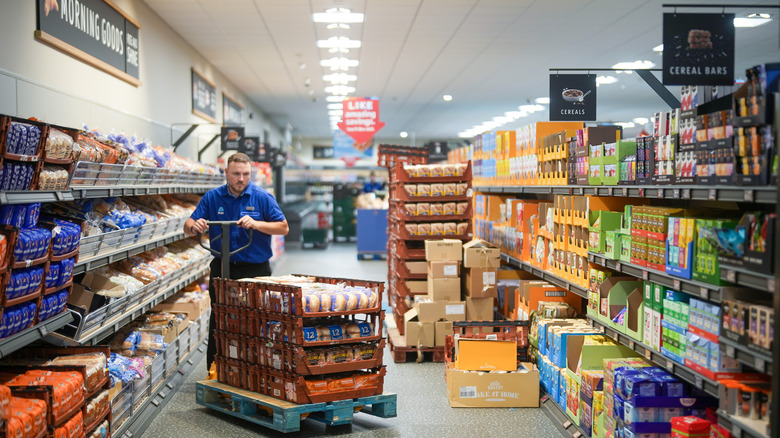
<point x="423" y="190"/>
<point x="462" y="227"/>
<point x="461" y="188"/>
<point x="436" y="209"/>
<point x="411" y="229"/>
<point x="450" y="170"/>
<point x="436" y="189"/>
<point x="423" y="229"/>
<point x="423" y="209"/>
<point x="461" y="169"/>
<point x="411" y="209"/>
<point x="448" y="208"/>
<point x="411" y="189"/>
<point x="461" y="207"/>
<point x="437" y="170"/>
<point x="450" y="228"/>
<point x="422" y="171"/>
<point x="449" y="189"/>
<point x="437" y="229"/>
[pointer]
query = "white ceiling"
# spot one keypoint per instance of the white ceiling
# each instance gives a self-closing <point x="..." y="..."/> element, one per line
<point x="490" y="55"/>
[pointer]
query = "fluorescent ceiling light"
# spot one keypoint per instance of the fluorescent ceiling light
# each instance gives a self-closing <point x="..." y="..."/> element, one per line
<point x="658" y="48"/>
<point x="634" y="65"/>
<point x="464" y="134"/>
<point x="339" y="89"/>
<point x="502" y="120"/>
<point x="335" y="112"/>
<point x="514" y="115"/>
<point x="334" y="98"/>
<point x="338" y="50"/>
<point x="447" y="98"/>
<point x="335" y="106"/>
<point x="404" y="134"/>
<point x="338" y="25"/>
<point x="751" y="22"/>
<point x="605" y="80"/>
<point x="337" y="15"/>
<point x="339" y="63"/>
<point x="641" y="120"/>
<point x="626" y="124"/>
<point x="531" y="108"/>
<point x="542" y="100"/>
<point x="339" y="78"/>
<point x="338" y="42"/>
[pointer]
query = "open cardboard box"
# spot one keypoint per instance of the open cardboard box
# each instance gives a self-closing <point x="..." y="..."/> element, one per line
<point x="417" y="332"/>
<point x="480" y="389"/>
<point x="85" y="296"/>
<point x="481" y="254"/>
<point x="531" y="292"/>
<point x="170" y="332"/>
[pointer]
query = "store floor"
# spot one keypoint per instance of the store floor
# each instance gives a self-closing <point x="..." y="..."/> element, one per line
<point x="423" y="409"/>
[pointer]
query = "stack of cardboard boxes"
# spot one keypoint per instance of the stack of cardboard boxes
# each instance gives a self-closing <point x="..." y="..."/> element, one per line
<point x="430" y="320"/>
<point x="481" y="261"/>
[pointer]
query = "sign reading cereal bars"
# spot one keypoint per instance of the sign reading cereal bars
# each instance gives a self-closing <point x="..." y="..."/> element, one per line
<point x="698" y="49"/>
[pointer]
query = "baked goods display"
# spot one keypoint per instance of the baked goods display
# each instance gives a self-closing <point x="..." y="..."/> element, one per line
<point x="434" y="170"/>
<point x="316" y="297"/>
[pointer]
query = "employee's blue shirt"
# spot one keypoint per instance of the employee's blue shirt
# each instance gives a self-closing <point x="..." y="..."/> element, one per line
<point x="370" y="187"/>
<point x="220" y="205"/>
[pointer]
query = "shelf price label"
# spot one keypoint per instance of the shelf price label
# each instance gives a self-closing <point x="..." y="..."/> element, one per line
<point x="660" y="194"/>
<point x="625" y="191"/>
<point x="760" y="364"/>
<point x="686" y="193"/>
<point x="713" y="194"/>
<point x="736" y="430"/>
<point x="618" y="266"/>
<point x="731" y="276"/>
<point x="567" y="424"/>
<point x="698" y="382"/>
<point x="704" y="292"/>
<point x="648" y="354"/>
<point x="669" y="364"/>
<point x="631" y="344"/>
<point x="641" y="192"/>
<point x="676" y="284"/>
<point x="676" y="193"/>
<point x="748" y="197"/>
<point x="645" y="275"/>
<point x="730" y="351"/>
<point x="770" y="284"/>
<point x="576" y="435"/>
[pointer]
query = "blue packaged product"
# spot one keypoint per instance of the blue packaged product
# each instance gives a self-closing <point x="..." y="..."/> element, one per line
<point x="310" y="334"/>
<point x="365" y="329"/>
<point x="23" y="279"/>
<point x="20" y="216"/>
<point x="54" y="274"/>
<point x="45" y="241"/>
<point x="35" y="244"/>
<point x="336" y="333"/>
<point x="22" y="247"/>
<point x="33" y="214"/>
<point x="25" y="315"/>
<point x="66" y="271"/>
<point x="7" y="214"/>
<point x="670" y="386"/>
<point x="633" y="414"/>
<point x="620" y="375"/>
<point x="62" y="299"/>
<point x="619" y="407"/>
<point x="640" y="385"/>
<point x="12" y="286"/>
<point x="16" y="319"/>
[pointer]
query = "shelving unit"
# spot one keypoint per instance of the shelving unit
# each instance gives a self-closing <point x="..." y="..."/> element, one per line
<point x="558" y="417"/>
<point x="124" y="252"/>
<point x="552" y="278"/>
<point x="75" y="194"/>
<point x="40" y="331"/>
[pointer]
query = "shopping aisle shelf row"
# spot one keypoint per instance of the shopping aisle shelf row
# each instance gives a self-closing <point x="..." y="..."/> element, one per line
<point x="552" y="278"/>
<point x="758" y="360"/>
<point x="40" y="331"/>
<point x="743" y="277"/>
<point x="558" y="417"/>
<point x="125" y="252"/>
<point x="700" y="289"/>
<point x="30" y="196"/>
<point x="742" y="427"/>
<point x="760" y="195"/>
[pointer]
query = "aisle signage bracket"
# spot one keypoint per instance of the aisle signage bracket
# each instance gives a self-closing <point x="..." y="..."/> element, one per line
<point x="645" y="74"/>
<point x="188" y="132"/>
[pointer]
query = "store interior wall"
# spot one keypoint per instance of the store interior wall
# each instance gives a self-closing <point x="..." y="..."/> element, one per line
<point x="303" y="148"/>
<point x="39" y="81"/>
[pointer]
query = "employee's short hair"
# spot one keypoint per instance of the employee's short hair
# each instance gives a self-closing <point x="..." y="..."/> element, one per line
<point x="239" y="157"/>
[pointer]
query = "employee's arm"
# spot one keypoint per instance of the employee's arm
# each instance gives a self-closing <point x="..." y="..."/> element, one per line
<point x="192" y="226"/>
<point x="270" y="228"/>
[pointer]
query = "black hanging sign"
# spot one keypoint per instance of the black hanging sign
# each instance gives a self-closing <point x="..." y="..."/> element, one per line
<point x="93" y="31"/>
<point x="323" y="152"/>
<point x="572" y="97"/>
<point x="698" y="49"/>
<point x="232" y="111"/>
<point x="248" y="145"/>
<point x="232" y="137"/>
<point x="204" y="97"/>
<point x="437" y="151"/>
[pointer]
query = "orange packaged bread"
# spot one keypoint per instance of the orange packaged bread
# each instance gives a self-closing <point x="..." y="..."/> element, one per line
<point x="3" y="249"/>
<point x="5" y="400"/>
<point x="317" y="386"/>
<point x="341" y="384"/>
<point x="32" y="412"/>
<point x="14" y="428"/>
<point x="366" y="381"/>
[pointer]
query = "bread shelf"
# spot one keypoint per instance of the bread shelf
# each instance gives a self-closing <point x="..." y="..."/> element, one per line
<point x="97" y="325"/>
<point x="698" y="289"/>
<point x="22" y="339"/>
<point x="75" y="194"/>
<point x="122" y="253"/>
<point x="758" y="195"/>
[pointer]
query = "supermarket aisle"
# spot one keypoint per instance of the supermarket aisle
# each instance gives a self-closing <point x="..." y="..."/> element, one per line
<point x="423" y="409"/>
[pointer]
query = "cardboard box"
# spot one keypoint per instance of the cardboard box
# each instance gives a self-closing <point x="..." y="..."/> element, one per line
<point x="417" y="286"/>
<point x="444" y="289"/>
<point x="479" y="309"/>
<point x="418" y="333"/>
<point x="444" y="269"/>
<point x="531" y="292"/>
<point x="431" y="311"/>
<point x="416" y="267"/>
<point x="481" y="254"/>
<point x="480" y="283"/>
<point x="441" y="330"/>
<point x="479" y="389"/>
<point x="169" y="332"/>
<point x="455" y="311"/>
<point x="94" y="292"/>
<point x="444" y="249"/>
<point x="193" y="310"/>
<point x="486" y="355"/>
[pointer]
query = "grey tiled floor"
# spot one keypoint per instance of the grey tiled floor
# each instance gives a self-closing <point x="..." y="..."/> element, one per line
<point x="423" y="409"/>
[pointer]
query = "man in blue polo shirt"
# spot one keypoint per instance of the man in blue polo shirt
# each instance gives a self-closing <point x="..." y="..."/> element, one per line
<point x="256" y="212"/>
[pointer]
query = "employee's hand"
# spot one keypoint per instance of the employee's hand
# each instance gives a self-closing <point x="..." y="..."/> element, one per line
<point x="200" y="226"/>
<point x="248" y="223"/>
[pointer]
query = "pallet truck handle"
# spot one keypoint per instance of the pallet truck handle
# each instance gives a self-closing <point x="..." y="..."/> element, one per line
<point x="225" y="253"/>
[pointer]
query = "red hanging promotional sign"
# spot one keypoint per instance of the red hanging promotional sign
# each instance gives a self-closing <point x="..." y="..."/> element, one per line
<point x="360" y="119"/>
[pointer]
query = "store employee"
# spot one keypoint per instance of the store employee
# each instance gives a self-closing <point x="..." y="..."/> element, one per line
<point x="372" y="185"/>
<point x="255" y="210"/>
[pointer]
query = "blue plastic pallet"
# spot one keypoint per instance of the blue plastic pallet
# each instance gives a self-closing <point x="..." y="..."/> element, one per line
<point x="285" y="416"/>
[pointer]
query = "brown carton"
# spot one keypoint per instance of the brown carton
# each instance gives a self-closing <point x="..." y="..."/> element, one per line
<point x="479" y="389"/>
<point x="444" y="249"/>
<point x="193" y="310"/>
<point x="455" y="311"/>
<point x="441" y="330"/>
<point x="417" y="333"/>
<point x="480" y="283"/>
<point x="444" y="269"/>
<point x="430" y="311"/>
<point x="444" y="289"/>
<point x="481" y="254"/>
<point x="479" y="309"/>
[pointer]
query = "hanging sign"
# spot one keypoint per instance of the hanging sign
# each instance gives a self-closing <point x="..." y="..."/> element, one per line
<point x="204" y="97"/>
<point x="248" y="145"/>
<point x="360" y="119"/>
<point x="346" y="146"/>
<point x="93" y="31"/>
<point x="572" y="97"/>
<point x="698" y="49"/>
<point x="232" y="111"/>
<point x="231" y="137"/>
<point x="437" y="150"/>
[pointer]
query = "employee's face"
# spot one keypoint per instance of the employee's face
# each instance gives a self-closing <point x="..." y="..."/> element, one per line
<point x="238" y="176"/>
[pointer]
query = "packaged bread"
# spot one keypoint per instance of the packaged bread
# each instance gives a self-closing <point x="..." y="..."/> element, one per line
<point x="424" y="229"/>
<point x="423" y="190"/>
<point x="460" y="169"/>
<point x="316" y="357"/>
<point x="311" y="303"/>
<point x="317" y="386"/>
<point x="449" y="189"/>
<point x="448" y="208"/>
<point x="367" y="380"/>
<point x="450" y="228"/>
<point x="437" y="229"/>
<point x="422" y="171"/>
<point x="364" y="352"/>
<point x="411" y="189"/>
<point x="423" y="209"/>
<point x="450" y="170"/>
<point x="436" y="209"/>
<point x="436" y="170"/>
<point x="341" y="384"/>
<point x="461" y="208"/>
<point x="461" y="228"/>
<point x="339" y="355"/>
<point x="436" y="189"/>
<point x="373" y="299"/>
<point x="101" y="431"/>
<point x="411" y="209"/>
<point x="411" y="229"/>
<point x="461" y="188"/>
<point x="362" y="296"/>
<point x="352" y="301"/>
<point x="95" y="367"/>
